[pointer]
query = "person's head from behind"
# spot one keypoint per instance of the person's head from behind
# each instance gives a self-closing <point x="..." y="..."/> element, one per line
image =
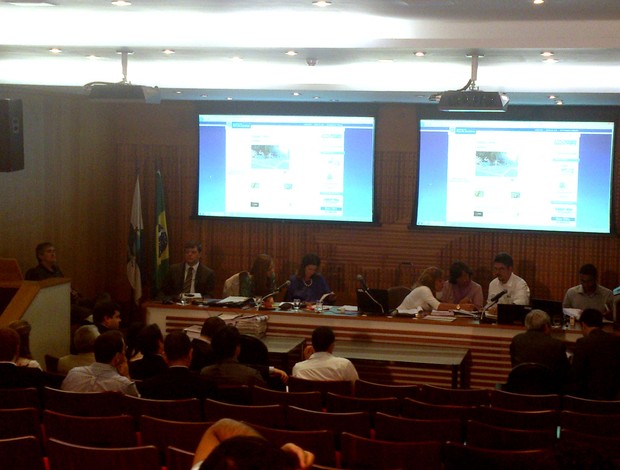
<point x="590" y="319"/>
<point x="23" y="329"/>
<point x="226" y="343"/>
<point x="9" y="344"/>
<point x="191" y="252"/>
<point x="45" y="253"/>
<point x="588" y="276"/>
<point x="150" y="340"/>
<point x="460" y="274"/>
<point x="178" y="347"/>
<point x="323" y="339"/>
<point x="84" y="338"/>
<point x="538" y="320"/>
<point x="262" y="271"/>
<point x="211" y="326"/>
<point x="249" y="453"/>
<point x="502" y="267"/>
<point x="310" y="264"/>
<point x="431" y="277"/>
<point x="110" y="347"/>
<point x="107" y="314"/>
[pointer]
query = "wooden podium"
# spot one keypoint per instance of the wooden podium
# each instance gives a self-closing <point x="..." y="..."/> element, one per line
<point x="46" y="305"/>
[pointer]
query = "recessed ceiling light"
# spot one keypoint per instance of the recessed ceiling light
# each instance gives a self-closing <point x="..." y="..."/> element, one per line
<point x="168" y="51"/>
<point x="93" y="57"/>
<point x="546" y="54"/>
<point x="538" y="2"/>
<point x="419" y="53"/>
<point x="204" y="96"/>
<point x="316" y="97"/>
<point x="296" y="93"/>
<point x="120" y="3"/>
<point x="291" y="53"/>
<point x="552" y="97"/>
<point x="229" y="98"/>
<point x="236" y="59"/>
<point x="559" y="102"/>
<point x="178" y="92"/>
<point x="550" y="60"/>
<point x="321" y="3"/>
<point x="55" y="50"/>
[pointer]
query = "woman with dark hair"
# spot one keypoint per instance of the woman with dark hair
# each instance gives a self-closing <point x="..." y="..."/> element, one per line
<point x="23" y="329"/>
<point x="260" y="280"/>
<point x="424" y="291"/>
<point x="459" y="288"/>
<point x="150" y="342"/>
<point x="308" y="284"/>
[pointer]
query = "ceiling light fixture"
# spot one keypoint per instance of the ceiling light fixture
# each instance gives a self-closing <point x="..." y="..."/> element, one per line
<point x="419" y="53"/>
<point x="55" y="50"/>
<point x="296" y="93"/>
<point x="168" y="51"/>
<point x="550" y="60"/>
<point x="321" y="3"/>
<point x="538" y="2"/>
<point x="121" y="3"/>
<point x="291" y="53"/>
<point x="559" y="102"/>
<point x="546" y="54"/>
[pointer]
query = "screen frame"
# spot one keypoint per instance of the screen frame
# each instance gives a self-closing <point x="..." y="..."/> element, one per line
<point x="525" y="113"/>
<point x="281" y="108"/>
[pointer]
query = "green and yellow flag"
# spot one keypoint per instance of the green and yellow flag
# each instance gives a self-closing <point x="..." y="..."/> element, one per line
<point x="162" y="256"/>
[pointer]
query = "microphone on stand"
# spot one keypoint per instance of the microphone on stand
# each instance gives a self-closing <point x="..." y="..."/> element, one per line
<point x="364" y="289"/>
<point x="277" y="291"/>
<point x="493" y="300"/>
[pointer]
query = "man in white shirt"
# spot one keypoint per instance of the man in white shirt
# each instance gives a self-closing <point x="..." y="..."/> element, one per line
<point x="517" y="290"/>
<point x="322" y="364"/>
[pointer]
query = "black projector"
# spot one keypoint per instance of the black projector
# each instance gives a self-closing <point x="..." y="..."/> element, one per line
<point x="473" y="101"/>
<point x="123" y="92"/>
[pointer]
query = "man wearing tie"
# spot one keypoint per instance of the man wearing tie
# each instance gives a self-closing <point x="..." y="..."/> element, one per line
<point x="191" y="276"/>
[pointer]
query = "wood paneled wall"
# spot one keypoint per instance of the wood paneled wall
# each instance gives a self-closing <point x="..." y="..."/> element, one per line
<point x="81" y="164"/>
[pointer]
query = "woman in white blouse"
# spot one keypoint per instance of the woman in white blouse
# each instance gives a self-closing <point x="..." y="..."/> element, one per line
<point x="424" y="292"/>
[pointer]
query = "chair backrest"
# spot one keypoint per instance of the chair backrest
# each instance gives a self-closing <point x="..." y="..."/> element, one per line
<point x="589" y="444"/>
<point x="307" y="400"/>
<point x="238" y="394"/>
<point x="188" y="409"/>
<point x="63" y="456"/>
<point x="23" y="453"/>
<point x="19" y="398"/>
<point x="320" y="443"/>
<point x="397" y="428"/>
<point x="458" y="456"/>
<point x="453" y="396"/>
<point x="584" y="405"/>
<point x="19" y="422"/>
<point x="348" y="404"/>
<point x="272" y="416"/>
<point x="532" y="378"/>
<point x="342" y="387"/>
<point x="595" y="424"/>
<point x="83" y="404"/>
<point x="524" y="402"/>
<point x="396" y="295"/>
<point x="179" y="459"/>
<point x="546" y="419"/>
<point x="163" y="433"/>
<point x="253" y="351"/>
<point x="367" y="389"/>
<point x="360" y="452"/>
<point x="420" y="410"/>
<point x="101" y="431"/>
<point x="488" y="436"/>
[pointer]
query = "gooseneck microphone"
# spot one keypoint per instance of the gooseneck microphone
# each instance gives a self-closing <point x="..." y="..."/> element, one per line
<point x="361" y="280"/>
<point x="493" y="300"/>
<point x="364" y="289"/>
<point x="278" y="289"/>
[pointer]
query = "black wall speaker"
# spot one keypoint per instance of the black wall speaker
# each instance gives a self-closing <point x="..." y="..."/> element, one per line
<point x="11" y="135"/>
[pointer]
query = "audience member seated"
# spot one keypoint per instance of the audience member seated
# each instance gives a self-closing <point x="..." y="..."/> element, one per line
<point x="596" y="361"/>
<point x="460" y="288"/>
<point x="537" y="345"/>
<point x="203" y="354"/>
<point x="321" y="364"/>
<point x="177" y="381"/>
<point x="151" y="346"/>
<point x="423" y="294"/>
<point x="190" y="276"/>
<point x="261" y="280"/>
<point x="23" y="329"/>
<point x="308" y="284"/>
<point x="589" y="293"/>
<point x="84" y="342"/>
<point x="110" y="372"/>
<point x="228" y="371"/>
<point x="229" y="444"/>
<point x="107" y="316"/>
<point x="517" y="290"/>
<point x="12" y="376"/>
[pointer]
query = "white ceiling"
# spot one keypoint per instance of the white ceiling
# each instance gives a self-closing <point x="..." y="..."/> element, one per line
<point x="349" y="41"/>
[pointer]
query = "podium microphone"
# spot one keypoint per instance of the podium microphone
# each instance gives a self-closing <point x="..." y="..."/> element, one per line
<point x="277" y="291"/>
<point x="364" y="288"/>
<point x="361" y="280"/>
<point x="493" y="300"/>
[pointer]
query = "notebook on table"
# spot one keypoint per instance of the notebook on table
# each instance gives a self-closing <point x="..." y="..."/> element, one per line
<point x="366" y="305"/>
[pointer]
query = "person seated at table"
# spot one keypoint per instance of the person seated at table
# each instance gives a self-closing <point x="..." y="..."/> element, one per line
<point x="460" y="288"/>
<point x="230" y="444"/>
<point x="308" y="284"/>
<point x="422" y="295"/>
<point x="589" y="293"/>
<point x="517" y="290"/>
<point x="260" y="280"/>
<point x="320" y="363"/>
<point x="191" y="276"/>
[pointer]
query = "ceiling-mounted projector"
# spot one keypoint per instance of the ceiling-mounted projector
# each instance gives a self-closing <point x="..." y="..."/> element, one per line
<point x="124" y="92"/>
<point x="473" y="101"/>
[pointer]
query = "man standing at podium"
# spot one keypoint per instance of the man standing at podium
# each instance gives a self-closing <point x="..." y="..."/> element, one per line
<point x="47" y="267"/>
<point x="189" y="277"/>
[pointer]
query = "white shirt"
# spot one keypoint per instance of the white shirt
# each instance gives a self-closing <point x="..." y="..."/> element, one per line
<point x="325" y="366"/>
<point x="422" y="297"/>
<point x="517" y="290"/>
<point x="98" y="377"/>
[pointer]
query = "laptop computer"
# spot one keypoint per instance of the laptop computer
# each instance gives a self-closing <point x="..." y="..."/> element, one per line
<point x="511" y="314"/>
<point x="553" y="308"/>
<point x="366" y="305"/>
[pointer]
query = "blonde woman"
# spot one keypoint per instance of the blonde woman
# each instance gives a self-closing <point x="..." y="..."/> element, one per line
<point x="423" y="294"/>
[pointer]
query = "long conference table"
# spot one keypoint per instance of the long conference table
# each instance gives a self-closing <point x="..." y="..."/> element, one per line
<point x="455" y="353"/>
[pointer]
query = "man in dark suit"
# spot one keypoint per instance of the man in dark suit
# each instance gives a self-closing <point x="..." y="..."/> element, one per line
<point x="596" y="362"/>
<point x="190" y="277"/>
<point x="177" y="382"/>
<point x="537" y="345"/>
<point x="12" y="376"/>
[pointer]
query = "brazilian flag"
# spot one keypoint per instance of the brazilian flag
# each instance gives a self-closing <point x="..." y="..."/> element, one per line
<point x="162" y="256"/>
